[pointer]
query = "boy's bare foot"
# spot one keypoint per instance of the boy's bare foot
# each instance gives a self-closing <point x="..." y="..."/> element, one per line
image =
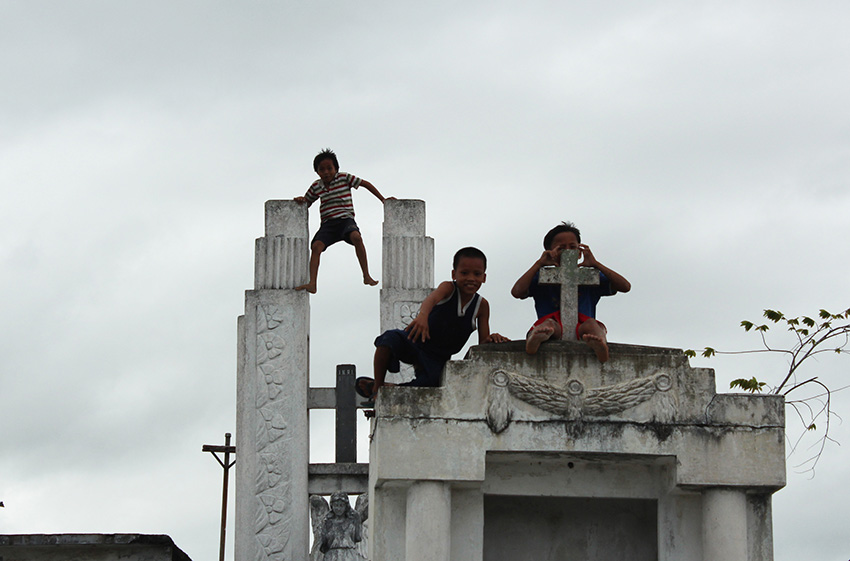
<point x="538" y="334"/>
<point x="311" y="288"/>
<point x="598" y="344"/>
<point x="369" y="280"/>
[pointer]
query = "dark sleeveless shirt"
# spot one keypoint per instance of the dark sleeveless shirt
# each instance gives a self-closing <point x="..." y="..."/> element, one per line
<point x="450" y="326"/>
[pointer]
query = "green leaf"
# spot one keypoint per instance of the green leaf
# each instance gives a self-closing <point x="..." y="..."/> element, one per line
<point x="690" y="353"/>
<point x="812" y="427"/>
<point x="752" y="385"/>
<point x="824" y="314"/>
<point x="774" y="315"/>
<point x="709" y="352"/>
<point x="809" y="321"/>
<point x="747" y="325"/>
<point x="762" y="328"/>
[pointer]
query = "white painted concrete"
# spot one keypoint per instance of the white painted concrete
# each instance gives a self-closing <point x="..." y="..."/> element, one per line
<point x="724" y="524"/>
<point x="407" y="269"/>
<point x="428" y="521"/>
<point x="272" y="432"/>
<point x="675" y="457"/>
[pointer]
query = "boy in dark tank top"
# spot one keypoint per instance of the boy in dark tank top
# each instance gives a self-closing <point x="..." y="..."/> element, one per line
<point x="446" y="319"/>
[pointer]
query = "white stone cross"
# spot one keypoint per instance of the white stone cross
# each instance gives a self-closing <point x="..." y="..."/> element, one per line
<point x="570" y="276"/>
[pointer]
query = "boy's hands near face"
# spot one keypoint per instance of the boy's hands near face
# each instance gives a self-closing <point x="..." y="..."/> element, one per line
<point x="587" y="258"/>
<point x="550" y="257"/>
<point x="618" y="281"/>
<point x="418" y="328"/>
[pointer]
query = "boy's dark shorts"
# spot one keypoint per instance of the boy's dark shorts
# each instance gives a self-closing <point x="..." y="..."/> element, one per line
<point x="427" y="367"/>
<point x="335" y="230"/>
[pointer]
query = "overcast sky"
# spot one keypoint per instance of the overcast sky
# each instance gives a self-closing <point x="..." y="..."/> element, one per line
<point x="702" y="148"/>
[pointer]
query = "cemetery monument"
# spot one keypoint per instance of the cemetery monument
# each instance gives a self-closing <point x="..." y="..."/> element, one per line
<point x="543" y="457"/>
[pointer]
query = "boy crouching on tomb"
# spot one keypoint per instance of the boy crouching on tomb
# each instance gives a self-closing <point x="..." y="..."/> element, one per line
<point x="337" y="214"/>
<point x="547" y="297"/>
<point x="446" y="319"/>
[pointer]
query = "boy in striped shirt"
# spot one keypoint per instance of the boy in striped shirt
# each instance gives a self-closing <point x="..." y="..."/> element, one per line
<point x="336" y="211"/>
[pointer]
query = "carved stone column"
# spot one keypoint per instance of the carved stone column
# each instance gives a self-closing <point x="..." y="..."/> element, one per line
<point x="272" y="512"/>
<point x="408" y="265"/>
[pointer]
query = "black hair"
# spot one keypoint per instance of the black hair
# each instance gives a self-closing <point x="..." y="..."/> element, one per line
<point x="471" y="252"/>
<point x="326" y="154"/>
<point x="559" y="229"/>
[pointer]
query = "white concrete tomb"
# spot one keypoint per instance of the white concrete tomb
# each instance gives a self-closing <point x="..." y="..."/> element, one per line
<point x="558" y="457"/>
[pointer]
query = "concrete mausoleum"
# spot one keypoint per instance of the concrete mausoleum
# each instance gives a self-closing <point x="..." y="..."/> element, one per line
<point x="556" y="456"/>
<point x="544" y="457"/>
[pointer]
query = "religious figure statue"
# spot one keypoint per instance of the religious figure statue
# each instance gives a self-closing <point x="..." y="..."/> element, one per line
<point x="337" y="528"/>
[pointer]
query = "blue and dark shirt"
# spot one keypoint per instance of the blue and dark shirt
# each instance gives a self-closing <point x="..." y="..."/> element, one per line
<point x="547" y="297"/>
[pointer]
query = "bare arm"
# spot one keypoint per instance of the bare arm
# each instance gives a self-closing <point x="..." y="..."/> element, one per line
<point x="484" y="335"/>
<point x="618" y="281"/>
<point x="521" y="286"/>
<point x="419" y="326"/>
<point x="308" y="198"/>
<point x="372" y="189"/>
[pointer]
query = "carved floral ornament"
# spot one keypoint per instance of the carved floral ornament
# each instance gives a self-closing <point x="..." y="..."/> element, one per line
<point x="272" y="520"/>
<point x="572" y="402"/>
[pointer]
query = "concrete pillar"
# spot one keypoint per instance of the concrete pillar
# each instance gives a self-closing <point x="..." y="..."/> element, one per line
<point x="408" y="266"/>
<point x="428" y="521"/>
<point x="272" y="440"/>
<point x="387" y="511"/>
<point x="724" y="525"/>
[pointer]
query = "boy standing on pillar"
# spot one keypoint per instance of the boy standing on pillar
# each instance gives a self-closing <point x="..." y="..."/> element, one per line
<point x="337" y="214"/>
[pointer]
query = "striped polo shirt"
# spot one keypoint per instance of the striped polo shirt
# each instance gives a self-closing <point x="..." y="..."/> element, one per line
<point x="336" y="197"/>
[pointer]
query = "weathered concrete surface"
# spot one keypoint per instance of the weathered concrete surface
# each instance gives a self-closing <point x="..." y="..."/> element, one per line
<point x="281" y="257"/>
<point x="272" y="431"/>
<point x="644" y="426"/>
<point x="89" y="547"/>
<point x="407" y="268"/>
<point x="719" y="440"/>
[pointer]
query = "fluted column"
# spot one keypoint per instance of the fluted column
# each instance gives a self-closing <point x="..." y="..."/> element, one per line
<point x="408" y="265"/>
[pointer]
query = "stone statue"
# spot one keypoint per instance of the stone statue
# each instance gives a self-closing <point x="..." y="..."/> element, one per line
<point x="337" y="528"/>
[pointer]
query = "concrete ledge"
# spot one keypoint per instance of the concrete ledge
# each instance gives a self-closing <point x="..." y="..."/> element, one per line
<point x="325" y="479"/>
<point x="48" y="547"/>
<point x="747" y="410"/>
